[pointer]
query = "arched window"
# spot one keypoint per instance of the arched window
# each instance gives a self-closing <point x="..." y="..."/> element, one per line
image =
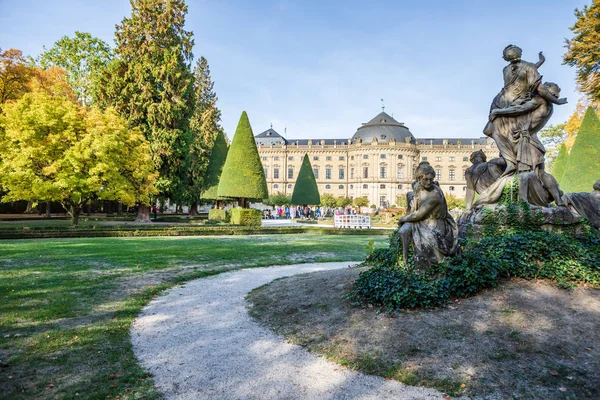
<point x="327" y="186"/>
<point x="365" y="186"/>
<point x="451" y="188"/>
<point x="275" y="186"/>
<point x="289" y="186"/>
<point x="341" y="187"/>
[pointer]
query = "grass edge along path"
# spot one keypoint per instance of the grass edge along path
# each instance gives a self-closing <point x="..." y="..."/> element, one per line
<point x="68" y="304"/>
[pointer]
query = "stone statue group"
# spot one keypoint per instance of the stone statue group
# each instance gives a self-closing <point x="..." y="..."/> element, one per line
<point x="517" y="114"/>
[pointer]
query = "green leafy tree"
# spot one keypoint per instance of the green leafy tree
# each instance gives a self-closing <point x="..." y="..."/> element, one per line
<point x="149" y="82"/>
<point x="552" y="137"/>
<point x="343" y="201"/>
<point x="204" y="128"/>
<point x="279" y="199"/>
<point x="362" y="201"/>
<point x="306" y="191"/>
<point x="83" y="57"/>
<point x="243" y="176"/>
<point x="327" y="200"/>
<point x="55" y="150"/>
<point x="583" y="163"/>
<point x="583" y="51"/>
<point x="217" y="158"/>
<point x="558" y="168"/>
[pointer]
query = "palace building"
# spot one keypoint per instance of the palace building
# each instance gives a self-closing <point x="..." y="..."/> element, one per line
<point x="378" y="161"/>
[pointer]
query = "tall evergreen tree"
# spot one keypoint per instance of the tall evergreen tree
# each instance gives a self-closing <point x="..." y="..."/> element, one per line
<point x="583" y="164"/>
<point x="218" y="155"/>
<point x="243" y="176"/>
<point x="558" y="168"/>
<point x="150" y="83"/>
<point x="204" y="128"/>
<point x="306" y="190"/>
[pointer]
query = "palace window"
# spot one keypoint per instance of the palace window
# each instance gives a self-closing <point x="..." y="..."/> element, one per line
<point x="400" y="173"/>
<point x="316" y="172"/>
<point x="451" y="174"/>
<point x="290" y="173"/>
<point x="275" y="173"/>
<point x="382" y="186"/>
<point x="365" y="186"/>
<point x="438" y="158"/>
<point x="451" y="158"/>
<point x="342" y="173"/>
<point x="382" y="202"/>
<point x="365" y="156"/>
<point x="400" y="186"/>
<point x="289" y="186"/>
<point x="265" y="158"/>
<point x="276" y="158"/>
<point x="352" y="157"/>
<point x="316" y="158"/>
<point x="438" y="174"/>
<point x="400" y="156"/>
<point x="351" y="173"/>
<point x="328" y="158"/>
<point x="291" y="158"/>
<point x="382" y="156"/>
<point x="275" y="186"/>
<point x="365" y="172"/>
<point x="327" y="186"/>
<point x="351" y="186"/>
<point x="423" y="158"/>
<point x="465" y="158"/>
<point x="451" y="188"/>
<point x="342" y="158"/>
<point x="382" y="172"/>
<point x="327" y="173"/>
<point x="341" y="187"/>
<point x="265" y="169"/>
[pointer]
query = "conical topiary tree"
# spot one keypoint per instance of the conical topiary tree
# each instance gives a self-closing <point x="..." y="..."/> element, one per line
<point x="583" y="164"/>
<point x="306" y="191"/>
<point x="217" y="158"/>
<point x="243" y="176"/>
<point x="558" y="168"/>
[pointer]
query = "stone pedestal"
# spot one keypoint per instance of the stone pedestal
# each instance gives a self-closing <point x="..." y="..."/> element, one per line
<point x="551" y="219"/>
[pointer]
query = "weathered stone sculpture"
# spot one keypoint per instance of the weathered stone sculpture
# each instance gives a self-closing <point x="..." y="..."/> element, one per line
<point x="482" y="174"/>
<point x="586" y="204"/>
<point x="429" y="226"/>
<point x="518" y="112"/>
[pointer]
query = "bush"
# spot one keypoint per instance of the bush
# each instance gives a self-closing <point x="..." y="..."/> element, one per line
<point x="217" y="214"/>
<point x="246" y="217"/>
<point x="518" y="250"/>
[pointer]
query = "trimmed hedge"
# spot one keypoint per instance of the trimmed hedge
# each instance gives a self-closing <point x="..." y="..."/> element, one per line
<point x="218" y="214"/>
<point x="67" y="232"/>
<point x="246" y="217"/>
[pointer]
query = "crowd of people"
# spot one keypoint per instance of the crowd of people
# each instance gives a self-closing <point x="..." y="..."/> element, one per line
<point x="306" y="212"/>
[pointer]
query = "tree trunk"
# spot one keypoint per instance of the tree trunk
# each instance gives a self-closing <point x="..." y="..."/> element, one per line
<point x="75" y="212"/>
<point x="89" y="209"/>
<point x="194" y="210"/>
<point x="143" y="215"/>
<point x="120" y="209"/>
<point x="29" y="209"/>
<point x="179" y="209"/>
<point x="48" y="210"/>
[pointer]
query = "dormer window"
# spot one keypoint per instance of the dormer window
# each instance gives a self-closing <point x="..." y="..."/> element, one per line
<point x="383" y="136"/>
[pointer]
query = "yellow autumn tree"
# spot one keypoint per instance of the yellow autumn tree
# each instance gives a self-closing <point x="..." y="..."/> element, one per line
<point x="55" y="150"/>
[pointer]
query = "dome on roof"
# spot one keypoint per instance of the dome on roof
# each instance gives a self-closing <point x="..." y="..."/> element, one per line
<point x="383" y="128"/>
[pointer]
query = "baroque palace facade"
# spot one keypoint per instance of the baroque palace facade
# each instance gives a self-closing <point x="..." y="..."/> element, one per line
<point x="377" y="162"/>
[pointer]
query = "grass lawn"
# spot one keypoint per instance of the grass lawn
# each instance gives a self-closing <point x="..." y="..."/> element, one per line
<point x="67" y="304"/>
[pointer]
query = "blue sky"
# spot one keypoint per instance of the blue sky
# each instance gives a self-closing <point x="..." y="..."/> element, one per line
<point x="320" y="68"/>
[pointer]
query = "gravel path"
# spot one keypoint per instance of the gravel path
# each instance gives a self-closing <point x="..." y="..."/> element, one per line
<point x="200" y="343"/>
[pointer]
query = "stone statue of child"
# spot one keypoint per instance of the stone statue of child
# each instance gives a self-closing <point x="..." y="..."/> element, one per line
<point x="429" y="226"/>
